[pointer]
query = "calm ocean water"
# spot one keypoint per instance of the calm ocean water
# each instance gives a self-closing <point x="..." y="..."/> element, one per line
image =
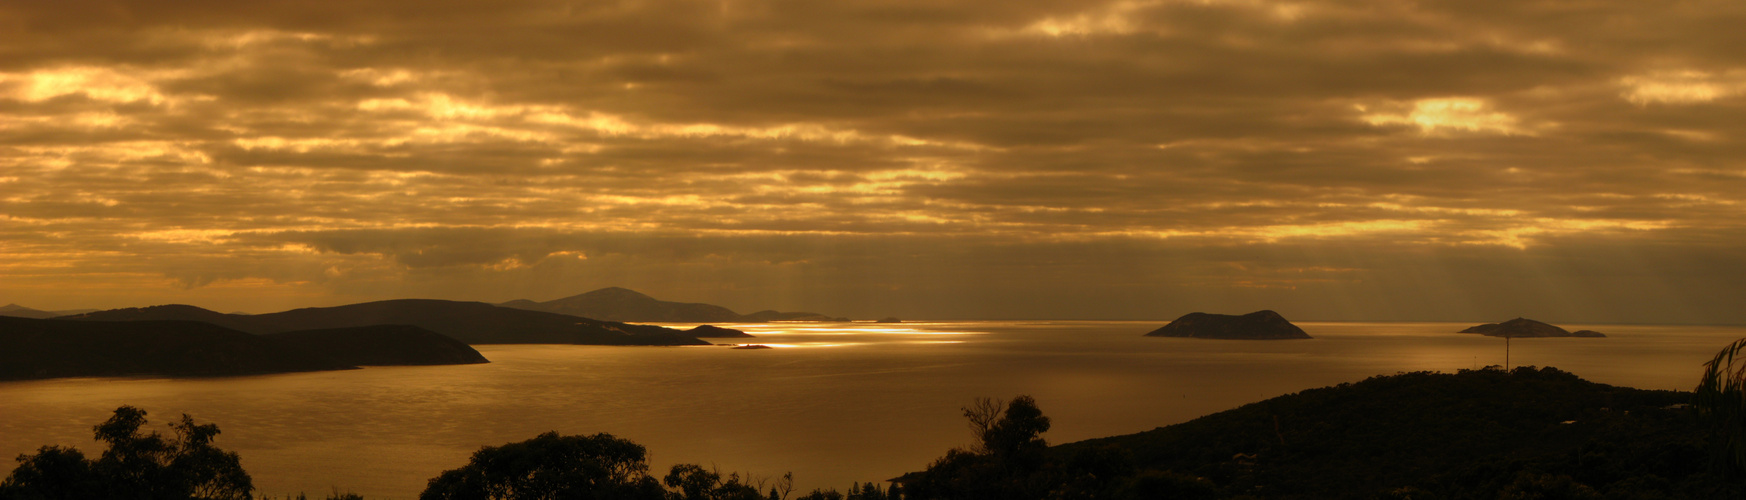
<point x="833" y="403"/>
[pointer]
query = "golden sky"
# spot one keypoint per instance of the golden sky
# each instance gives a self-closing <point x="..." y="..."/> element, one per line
<point x="1569" y="160"/>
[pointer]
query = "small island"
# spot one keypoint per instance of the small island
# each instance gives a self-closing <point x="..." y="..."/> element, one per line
<point x="889" y="319"/>
<point x="1258" y="325"/>
<point x="1527" y="328"/>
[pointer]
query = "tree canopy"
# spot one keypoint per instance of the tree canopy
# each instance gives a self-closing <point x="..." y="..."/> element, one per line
<point x="135" y="466"/>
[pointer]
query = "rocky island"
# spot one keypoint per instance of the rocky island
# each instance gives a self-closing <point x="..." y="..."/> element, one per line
<point x="1527" y="328"/>
<point x="1258" y="325"/>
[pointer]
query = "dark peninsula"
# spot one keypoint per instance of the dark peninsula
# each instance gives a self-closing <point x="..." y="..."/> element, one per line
<point x="469" y="322"/>
<point x="383" y="345"/>
<point x="1258" y="325"/>
<point x="46" y="348"/>
<point x="1527" y="328"/>
<point x="1473" y="434"/>
<point x="623" y="304"/>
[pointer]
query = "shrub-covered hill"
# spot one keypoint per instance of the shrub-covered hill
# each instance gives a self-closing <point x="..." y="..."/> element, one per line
<point x="382" y="345"/>
<point x="1526" y="433"/>
<point x="46" y="348"/>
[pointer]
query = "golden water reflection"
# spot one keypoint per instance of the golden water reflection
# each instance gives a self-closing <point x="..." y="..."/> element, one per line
<point x="834" y="403"/>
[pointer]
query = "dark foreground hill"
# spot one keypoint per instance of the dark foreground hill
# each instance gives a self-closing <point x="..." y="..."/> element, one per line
<point x="382" y="345"/>
<point x="1528" y="433"/>
<point x="622" y="304"/>
<point x="1524" y="328"/>
<point x="469" y="322"/>
<point x="1258" y="325"/>
<point x="42" y="348"/>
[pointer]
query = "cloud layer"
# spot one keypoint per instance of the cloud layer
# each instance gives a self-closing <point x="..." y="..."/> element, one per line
<point x="1574" y="160"/>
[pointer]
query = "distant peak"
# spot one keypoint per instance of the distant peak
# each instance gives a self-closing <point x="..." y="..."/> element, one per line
<point x="613" y="291"/>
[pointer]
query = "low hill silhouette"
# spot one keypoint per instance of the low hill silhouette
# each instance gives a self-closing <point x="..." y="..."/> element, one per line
<point x="1258" y="325"/>
<point x="469" y="322"/>
<point x="18" y="311"/>
<point x="712" y="331"/>
<point x="623" y="304"/>
<point x="1473" y="434"/>
<point x="382" y="345"/>
<point x="46" y="348"/>
<point x="1527" y="328"/>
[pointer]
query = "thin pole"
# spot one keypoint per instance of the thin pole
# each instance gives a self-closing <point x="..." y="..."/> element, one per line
<point x="1506" y="353"/>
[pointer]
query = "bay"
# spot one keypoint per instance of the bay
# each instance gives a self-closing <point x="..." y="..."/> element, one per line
<point x="832" y="403"/>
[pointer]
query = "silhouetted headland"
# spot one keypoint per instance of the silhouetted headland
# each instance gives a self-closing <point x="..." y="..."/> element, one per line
<point x="1475" y="434"/>
<point x="622" y="304"/>
<point x="1523" y="327"/>
<point x="469" y="322"/>
<point x="715" y="332"/>
<point x="383" y="345"/>
<point x="1258" y="325"/>
<point x="47" y="348"/>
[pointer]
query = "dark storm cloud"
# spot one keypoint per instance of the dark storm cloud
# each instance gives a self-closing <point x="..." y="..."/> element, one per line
<point x="1056" y="158"/>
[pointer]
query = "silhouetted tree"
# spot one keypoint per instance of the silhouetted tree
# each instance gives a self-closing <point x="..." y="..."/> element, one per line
<point x="695" y="483"/>
<point x="135" y="465"/>
<point x="1018" y="434"/>
<point x="1006" y="462"/>
<point x="552" y="466"/>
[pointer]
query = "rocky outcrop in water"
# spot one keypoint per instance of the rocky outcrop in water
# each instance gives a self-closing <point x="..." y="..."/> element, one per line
<point x="1258" y="325"/>
<point x="1527" y="328"/>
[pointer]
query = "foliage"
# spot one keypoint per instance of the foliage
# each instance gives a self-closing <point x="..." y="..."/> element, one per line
<point x="857" y="491"/>
<point x="1721" y="397"/>
<point x="1008" y="460"/>
<point x="135" y="465"/>
<point x="695" y="483"/>
<point x="551" y="466"/>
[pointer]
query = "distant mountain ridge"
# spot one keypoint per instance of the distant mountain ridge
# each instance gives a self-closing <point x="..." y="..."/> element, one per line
<point x="623" y="304"/>
<point x="469" y="322"/>
<point x="18" y="311"/>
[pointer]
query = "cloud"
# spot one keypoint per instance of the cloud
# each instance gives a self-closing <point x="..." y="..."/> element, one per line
<point x="304" y="152"/>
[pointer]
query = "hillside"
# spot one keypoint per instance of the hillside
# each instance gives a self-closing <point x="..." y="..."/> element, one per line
<point x="382" y="345"/>
<point x="1475" y="434"/>
<point x="469" y="322"/>
<point x="621" y="304"/>
<point x="42" y="348"/>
